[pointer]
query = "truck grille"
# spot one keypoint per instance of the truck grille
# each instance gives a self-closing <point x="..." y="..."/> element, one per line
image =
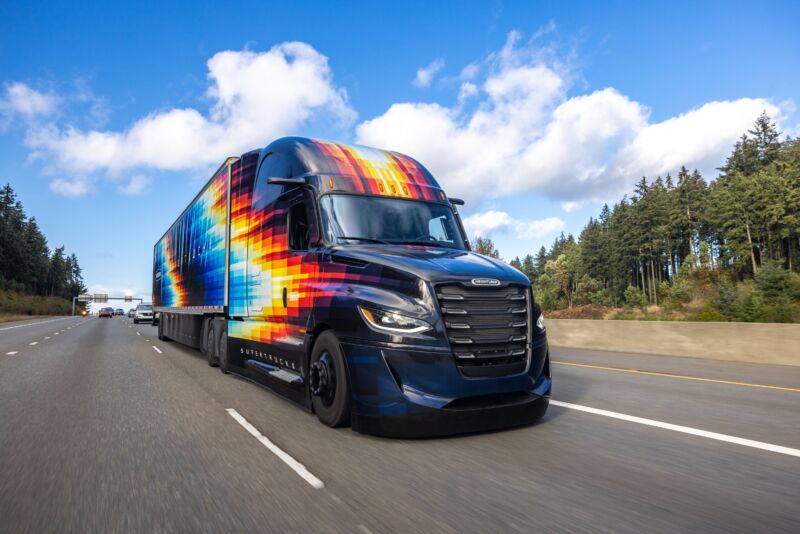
<point x="488" y="328"/>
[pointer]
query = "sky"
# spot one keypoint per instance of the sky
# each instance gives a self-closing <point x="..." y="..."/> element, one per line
<point x="112" y="117"/>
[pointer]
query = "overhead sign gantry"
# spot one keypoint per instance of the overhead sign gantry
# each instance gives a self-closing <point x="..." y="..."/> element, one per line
<point x="101" y="298"/>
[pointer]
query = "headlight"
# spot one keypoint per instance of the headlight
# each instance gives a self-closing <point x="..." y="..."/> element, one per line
<point x="540" y="322"/>
<point x="390" y="322"/>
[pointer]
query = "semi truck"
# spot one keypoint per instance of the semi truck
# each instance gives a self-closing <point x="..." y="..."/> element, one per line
<point x="340" y="277"/>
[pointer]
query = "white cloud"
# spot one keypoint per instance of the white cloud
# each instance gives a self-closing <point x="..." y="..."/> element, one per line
<point x="255" y="97"/>
<point x="569" y="207"/>
<point x="702" y="137"/>
<point x="493" y="221"/>
<point x="425" y="75"/>
<point x="515" y="128"/>
<point x="487" y="223"/>
<point x="136" y="185"/>
<point x="20" y="99"/>
<point x="71" y="188"/>
<point x="550" y="27"/>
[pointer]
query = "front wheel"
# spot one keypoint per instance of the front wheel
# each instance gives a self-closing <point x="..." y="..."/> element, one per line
<point x="330" y="388"/>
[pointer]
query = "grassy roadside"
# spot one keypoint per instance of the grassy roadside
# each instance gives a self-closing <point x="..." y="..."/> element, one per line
<point x="15" y="306"/>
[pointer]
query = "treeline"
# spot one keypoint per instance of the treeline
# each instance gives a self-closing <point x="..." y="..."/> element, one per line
<point x="26" y="263"/>
<point x="731" y="246"/>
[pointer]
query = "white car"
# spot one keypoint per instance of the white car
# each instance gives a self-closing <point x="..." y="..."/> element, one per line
<point x="143" y="314"/>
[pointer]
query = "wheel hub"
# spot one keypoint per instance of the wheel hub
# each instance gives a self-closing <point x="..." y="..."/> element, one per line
<point x="322" y="378"/>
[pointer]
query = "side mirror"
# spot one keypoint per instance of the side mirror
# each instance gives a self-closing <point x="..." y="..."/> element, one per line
<point x="456" y="201"/>
<point x="287" y="181"/>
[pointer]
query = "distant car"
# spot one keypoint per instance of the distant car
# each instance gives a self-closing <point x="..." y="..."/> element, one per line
<point x="143" y="314"/>
<point x="131" y="312"/>
<point x="119" y="311"/>
<point x="106" y="312"/>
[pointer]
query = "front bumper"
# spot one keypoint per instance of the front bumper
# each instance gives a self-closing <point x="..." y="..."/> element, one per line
<point x="143" y="318"/>
<point x="397" y="392"/>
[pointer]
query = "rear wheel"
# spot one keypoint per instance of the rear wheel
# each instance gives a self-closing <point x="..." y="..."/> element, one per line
<point x="330" y="388"/>
<point x="222" y="351"/>
<point x="211" y="346"/>
<point x="161" y="335"/>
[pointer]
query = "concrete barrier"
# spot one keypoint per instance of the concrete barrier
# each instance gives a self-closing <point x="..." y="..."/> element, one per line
<point x="738" y="342"/>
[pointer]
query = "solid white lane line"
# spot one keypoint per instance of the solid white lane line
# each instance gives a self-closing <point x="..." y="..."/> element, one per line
<point x="33" y="343"/>
<point x="157" y="349"/>
<point x="684" y="429"/>
<point x="296" y="466"/>
<point x="33" y="324"/>
<point x="13" y="352"/>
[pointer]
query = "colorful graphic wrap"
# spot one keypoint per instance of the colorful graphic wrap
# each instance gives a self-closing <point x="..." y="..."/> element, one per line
<point x="372" y="171"/>
<point x="262" y="267"/>
<point x="189" y="260"/>
<point x="242" y="179"/>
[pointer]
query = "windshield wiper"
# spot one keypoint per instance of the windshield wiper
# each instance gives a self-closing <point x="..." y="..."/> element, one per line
<point x="365" y="239"/>
<point x="420" y="242"/>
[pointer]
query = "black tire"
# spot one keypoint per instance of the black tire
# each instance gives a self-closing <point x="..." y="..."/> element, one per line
<point x="161" y="335"/>
<point x="135" y="321"/>
<point x="211" y="345"/>
<point x="332" y="402"/>
<point x="222" y="350"/>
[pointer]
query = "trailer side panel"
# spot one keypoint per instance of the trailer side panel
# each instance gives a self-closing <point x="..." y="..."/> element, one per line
<point x="189" y="260"/>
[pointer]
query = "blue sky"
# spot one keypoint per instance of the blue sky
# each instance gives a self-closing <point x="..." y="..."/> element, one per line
<point x="112" y="117"/>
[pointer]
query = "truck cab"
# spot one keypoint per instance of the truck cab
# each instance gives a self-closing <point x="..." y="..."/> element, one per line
<point x="350" y="288"/>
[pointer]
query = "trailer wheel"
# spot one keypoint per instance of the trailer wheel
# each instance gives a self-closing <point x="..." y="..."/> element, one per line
<point x="161" y="335"/>
<point x="222" y="351"/>
<point x="330" y="388"/>
<point x="211" y="345"/>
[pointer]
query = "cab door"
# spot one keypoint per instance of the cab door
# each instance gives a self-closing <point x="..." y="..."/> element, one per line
<point x="281" y="270"/>
<point x="302" y="264"/>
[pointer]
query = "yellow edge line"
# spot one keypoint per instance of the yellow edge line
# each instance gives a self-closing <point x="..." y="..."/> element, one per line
<point x="667" y="375"/>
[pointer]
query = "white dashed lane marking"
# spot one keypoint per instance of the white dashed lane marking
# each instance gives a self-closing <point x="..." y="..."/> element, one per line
<point x="32" y="343"/>
<point x="296" y="466"/>
<point x="13" y="352"/>
<point x="683" y="429"/>
<point x="157" y="349"/>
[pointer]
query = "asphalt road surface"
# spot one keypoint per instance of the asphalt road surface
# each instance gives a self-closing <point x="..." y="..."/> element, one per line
<point x="103" y="428"/>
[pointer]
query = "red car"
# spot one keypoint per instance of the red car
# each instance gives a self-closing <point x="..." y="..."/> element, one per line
<point x="106" y="312"/>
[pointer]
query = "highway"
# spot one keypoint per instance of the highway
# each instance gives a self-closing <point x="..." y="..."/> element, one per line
<point x="103" y="428"/>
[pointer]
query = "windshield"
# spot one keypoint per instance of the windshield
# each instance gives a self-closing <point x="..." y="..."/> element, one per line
<point x="369" y="219"/>
<point x="144" y="307"/>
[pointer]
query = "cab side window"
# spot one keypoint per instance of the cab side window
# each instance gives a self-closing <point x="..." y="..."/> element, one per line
<point x="272" y="166"/>
<point x="301" y="223"/>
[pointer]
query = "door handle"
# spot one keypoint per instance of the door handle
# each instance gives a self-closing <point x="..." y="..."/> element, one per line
<point x="284" y="297"/>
